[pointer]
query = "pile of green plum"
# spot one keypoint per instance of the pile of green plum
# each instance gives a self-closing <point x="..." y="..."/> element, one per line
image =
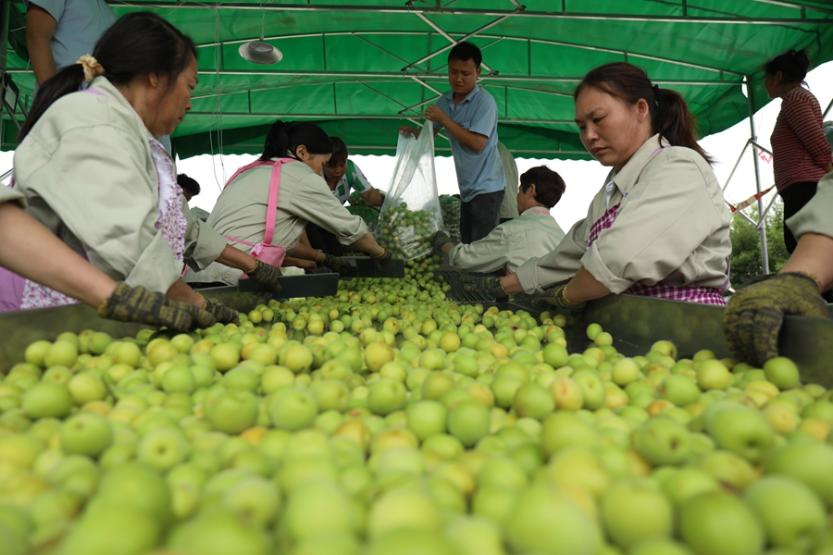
<point x="406" y="233"/>
<point x="388" y="420"/>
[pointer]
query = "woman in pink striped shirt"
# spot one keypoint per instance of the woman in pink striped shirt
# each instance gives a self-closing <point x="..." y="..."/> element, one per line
<point x="801" y="153"/>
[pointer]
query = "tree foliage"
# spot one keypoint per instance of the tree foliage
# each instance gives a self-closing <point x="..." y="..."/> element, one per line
<point x="746" y="245"/>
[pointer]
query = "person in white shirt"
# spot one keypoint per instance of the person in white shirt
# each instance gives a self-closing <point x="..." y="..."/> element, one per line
<point x="532" y="234"/>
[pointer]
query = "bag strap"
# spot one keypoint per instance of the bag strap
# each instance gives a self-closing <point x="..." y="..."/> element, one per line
<point x="274" y="192"/>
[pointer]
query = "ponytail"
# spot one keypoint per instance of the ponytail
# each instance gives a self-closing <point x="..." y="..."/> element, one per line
<point x="283" y="139"/>
<point x="139" y="43"/>
<point x="670" y="116"/>
<point x="672" y="120"/>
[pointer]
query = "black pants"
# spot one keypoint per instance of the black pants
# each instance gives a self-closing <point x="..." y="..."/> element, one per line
<point x="322" y="239"/>
<point x="795" y="196"/>
<point x="479" y="216"/>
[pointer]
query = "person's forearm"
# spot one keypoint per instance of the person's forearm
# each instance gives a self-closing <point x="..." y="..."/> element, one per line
<point x="308" y="253"/>
<point x="584" y="287"/>
<point x="510" y="284"/>
<point x="180" y="291"/>
<point x="235" y="258"/>
<point x="470" y="140"/>
<point x="368" y="245"/>
<point x="37" y="254"/>
<point x="813" y="256"/>
<point x="41" y="57"/>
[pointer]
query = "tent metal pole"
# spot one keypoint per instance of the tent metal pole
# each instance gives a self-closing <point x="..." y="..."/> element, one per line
<point x="361" y="34"/>
<point x="443" y="34"/>
<point x="449" y="46"/>
<point x="761" y="213"/>
<point x="827" y="110"/>
<point x="735" y="167"/>
<point x="374" y="117"/>
<point x="577" y="16"/>
<point x="5" y="14"/>
<point x="425" y="76"/>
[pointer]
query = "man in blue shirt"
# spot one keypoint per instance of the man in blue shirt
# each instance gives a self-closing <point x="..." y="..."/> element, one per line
<point x="469" y="116"/>
<point x="58" y="32"/>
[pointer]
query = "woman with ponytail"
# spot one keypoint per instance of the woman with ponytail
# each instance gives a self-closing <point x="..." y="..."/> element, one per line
<point x="266" y="205"/>
<point x="659" y="225"/>
<point x="801" y="154"/>
<point x="89" y="166"/>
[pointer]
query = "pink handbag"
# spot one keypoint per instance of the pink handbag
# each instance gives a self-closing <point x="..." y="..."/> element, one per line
<point x="265" y="251"/>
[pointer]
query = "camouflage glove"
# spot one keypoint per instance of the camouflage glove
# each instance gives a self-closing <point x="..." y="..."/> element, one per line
<point x="335" y="263"/>
<point x="267" y="275"/>
<point x="482" y="286"/>
<point x="439" y="239"/>
<point x="556" y="298"/>
<point x="137" y="304"/>
<point x="222" y="313"/>
<point x="753" y="318"/>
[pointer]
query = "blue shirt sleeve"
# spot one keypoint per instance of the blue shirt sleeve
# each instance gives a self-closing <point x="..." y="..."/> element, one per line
<point x="55" y="8"/>
<point x="485" y="115"/>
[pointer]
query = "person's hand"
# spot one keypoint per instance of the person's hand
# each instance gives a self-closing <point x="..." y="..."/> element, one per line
<point x="439" y="240"/>
<point x="754" y="315"/>
<point x="137" y="304"/>
<point x="267" y="275"/>
<point x="436" y="114"/>
<point x="335" y="263"/>
<point x="482" y="286"/>
<point x="408" y="131"/>
<point x="557" y="298"/>
<point x="222" y="313"/>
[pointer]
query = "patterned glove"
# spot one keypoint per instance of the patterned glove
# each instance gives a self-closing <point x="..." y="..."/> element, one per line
<point x="482" y="286"/>
<point x="335" y="263"/>
<point x="439" y="239"/>
<point x="222" y="313"/>
<point x="556" y="298"/>
<point x="267" y="275"/>
<point x="137" y="304"/>
<point x="754" y="315"/>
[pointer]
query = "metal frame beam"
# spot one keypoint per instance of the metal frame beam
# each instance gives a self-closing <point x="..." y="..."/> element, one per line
<point x="378" y="117"/>
<point x="361" y="34"/>
<point x="564" y="15"/>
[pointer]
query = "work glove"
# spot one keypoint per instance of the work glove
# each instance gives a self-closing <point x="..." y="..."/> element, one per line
<point x="335" y="263"/>
<point x="556" y="298"/>
<point x="222" y="313"/>
<point x="482" y="286"/>
<point x="137" y="304"/>
<point x="439" y="239"/>
<point x="268" y="275"/>
<point x="753" y="318"/>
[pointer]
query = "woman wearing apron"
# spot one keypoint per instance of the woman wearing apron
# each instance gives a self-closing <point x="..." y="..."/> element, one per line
<point x="39" y="255"/>
<point x="659" y="226"/>
<point x="90" y="169"/>
<point x="266" y="205"/>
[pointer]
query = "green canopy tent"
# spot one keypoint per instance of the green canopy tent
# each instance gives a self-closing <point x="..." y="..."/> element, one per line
<point x="362" y="68"/>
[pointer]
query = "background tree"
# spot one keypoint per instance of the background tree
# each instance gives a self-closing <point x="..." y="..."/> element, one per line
<point x="746" y="246"/>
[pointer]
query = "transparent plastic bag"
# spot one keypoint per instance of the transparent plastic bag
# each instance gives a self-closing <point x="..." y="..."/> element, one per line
<point x="411" y="213"/>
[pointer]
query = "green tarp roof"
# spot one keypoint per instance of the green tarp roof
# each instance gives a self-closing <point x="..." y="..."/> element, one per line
<point x="362" y="68"/>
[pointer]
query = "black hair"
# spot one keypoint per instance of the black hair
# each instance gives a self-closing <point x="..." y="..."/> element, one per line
<point x="339" y="152"/>
<point x="138" y="43"/>
<point x="188" y="185"/>
<point x="793" y="65"/>
<point x="669" y="112"/>
<point x="549" y="186"/>
<point x="283" y="139"/>
<point x="466" y="51"/>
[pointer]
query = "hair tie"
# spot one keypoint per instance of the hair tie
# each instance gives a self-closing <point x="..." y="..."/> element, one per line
<point x="91" y="67"/>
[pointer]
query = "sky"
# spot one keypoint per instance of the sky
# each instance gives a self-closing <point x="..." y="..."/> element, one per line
<point x="583" y="178"/>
